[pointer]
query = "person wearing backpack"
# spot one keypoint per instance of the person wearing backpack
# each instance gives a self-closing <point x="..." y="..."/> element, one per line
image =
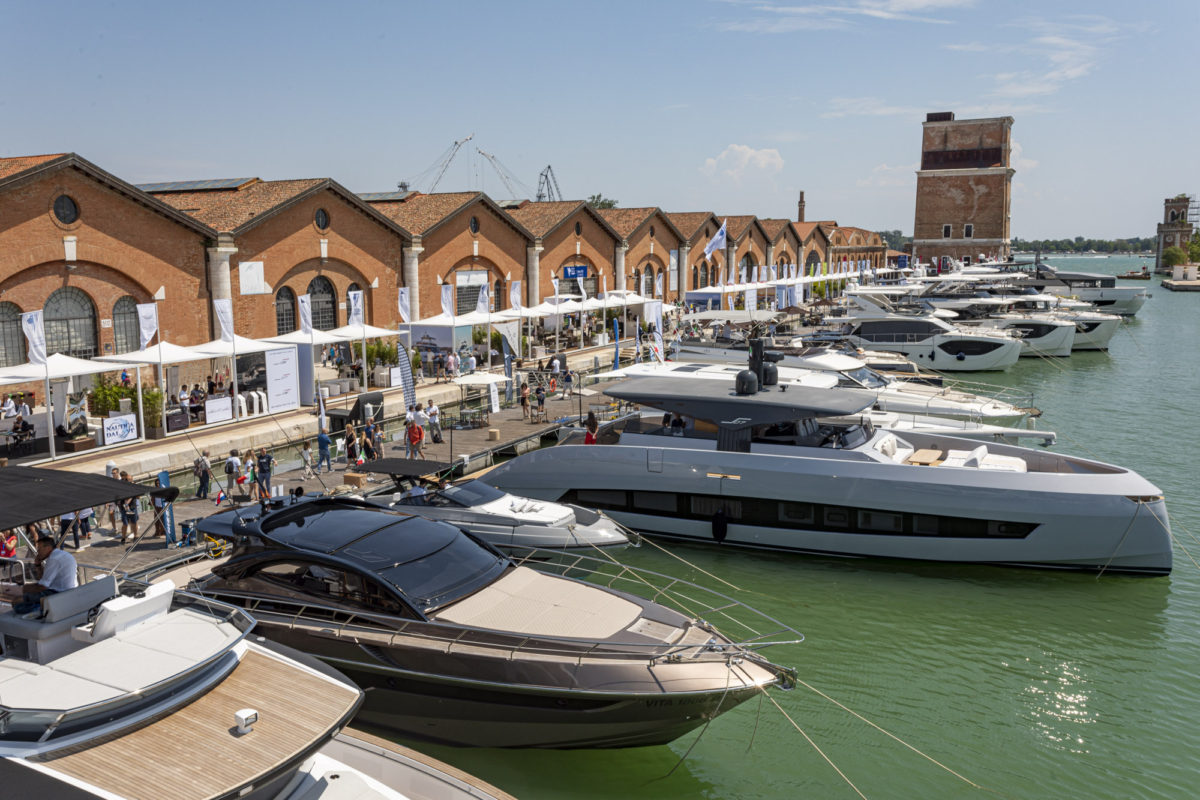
<point x="233" y="470"/>
<point x="201" y="468"/>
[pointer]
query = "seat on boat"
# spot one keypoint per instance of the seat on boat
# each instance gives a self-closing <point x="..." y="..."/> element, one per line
<point x="980" y="458"/>
<point x="60" y="611"/>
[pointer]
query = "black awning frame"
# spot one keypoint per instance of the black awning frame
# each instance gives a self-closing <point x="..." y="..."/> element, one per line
<point x="30" y="494"/>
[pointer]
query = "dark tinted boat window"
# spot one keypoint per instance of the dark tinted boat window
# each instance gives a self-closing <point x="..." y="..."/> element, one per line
<point x="327" y="584"/>
<point x="969" y="347"/>
<point x="655" y="501"/>
<point x="405" y="541"/>
<point x="325" y="526"/>
<point x="459" y="568"/>
<point x="472" y="493"/>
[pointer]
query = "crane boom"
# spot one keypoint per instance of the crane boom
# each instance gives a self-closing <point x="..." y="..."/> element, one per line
<point x="548" y="186"/>
<point x="445" y="165"/>
<point x="504" y="174"/>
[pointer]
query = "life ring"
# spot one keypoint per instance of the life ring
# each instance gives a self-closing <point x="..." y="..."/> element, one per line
<point x="553" y="384"/>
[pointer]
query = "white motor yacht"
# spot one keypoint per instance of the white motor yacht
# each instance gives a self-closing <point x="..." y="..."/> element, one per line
<point x="1093" y="329"/>
<point x="759" y="469"/>
<point x="1041" y="334"/>
<point x="1097" y="288"/>
<point x="890" y="393"/>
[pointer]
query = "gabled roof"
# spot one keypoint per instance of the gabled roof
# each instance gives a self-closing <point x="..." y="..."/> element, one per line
<point x="542" y="219"/>
<point x="805" y="230"/>
<point x="738" y="225"/>
<point x="237" y="210"/>
<point x="627" y="221"/>
<point x="424" y="213"/>
<point x="689" y="222"/>
<point x="14" y="171"/>
<point x="18" y="164"/>
<point x="775" y="228"/>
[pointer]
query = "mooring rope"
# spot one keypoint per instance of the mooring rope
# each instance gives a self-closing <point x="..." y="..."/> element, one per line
<point x="816" y="747"/>
<point x="1120" y="542"/>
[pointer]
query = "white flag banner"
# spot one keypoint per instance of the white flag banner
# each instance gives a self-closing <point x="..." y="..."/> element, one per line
<point x="447" y="300"/>
<point x="774" y="273"/>
<point x="35" y="336"/>
<point x="554" y="283"/>
<point x="404" y="305"/>
<point x="742" y="275"/>
<point x="604" y="285"/>
<point x="147" y="322"/>
<point x="514" y="297"/>
<point x="494" y="396"/>
<point x="483" y="303"/>
<point x="754" y="274"/>
<point x="305" y="302"/>
<point x="658" y="348"/>
<point x="511" y="331"/>
<point x="654" y="314"/>
<point x="717" y="241"/>
<point x="751" y="299"/>
<point x="223" y="307"/>
<point x="658" y="285"/>
<point x="355" y="317"/>
<point x="582" y="290"/>
<point x="729" y="298"/>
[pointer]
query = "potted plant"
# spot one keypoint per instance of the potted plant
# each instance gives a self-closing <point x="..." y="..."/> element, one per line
<point x="152" y="413"/>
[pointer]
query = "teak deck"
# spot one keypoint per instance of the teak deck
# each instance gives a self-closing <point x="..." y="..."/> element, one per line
<point x="193" y="753"/>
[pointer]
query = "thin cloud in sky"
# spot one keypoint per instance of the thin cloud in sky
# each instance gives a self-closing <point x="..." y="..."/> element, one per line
<point x="770" y="17"/>
<point x="885" y="176"/>
<point x="866" y="107"/>
<point x="738" y="161"/>
<point x="1066" y="50"/>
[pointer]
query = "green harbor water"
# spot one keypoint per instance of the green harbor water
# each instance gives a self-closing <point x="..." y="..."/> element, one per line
<point x="1031" y="684"/>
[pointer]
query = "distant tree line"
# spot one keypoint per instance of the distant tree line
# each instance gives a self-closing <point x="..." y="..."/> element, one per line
<point x="1137" y="244"/>
<point x="895" y="240"/>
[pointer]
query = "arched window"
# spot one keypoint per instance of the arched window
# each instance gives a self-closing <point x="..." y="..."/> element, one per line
<point x="324" y="303"/>
<point x="70" y="319"/>
<point x="637" y="281"/>
<point x="498" y="295"/>
<point x="695" y="277"/>
<point x="285" y="311"/>
<point x="703" y="275"/>
<point x="126" y="331"/>
<point x="12" y="340"/>
<point x="812" y="262"/>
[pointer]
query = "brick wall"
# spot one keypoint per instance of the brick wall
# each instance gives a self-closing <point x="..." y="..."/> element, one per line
<point x="450" y="248"/>
<point x="639" y="254"/>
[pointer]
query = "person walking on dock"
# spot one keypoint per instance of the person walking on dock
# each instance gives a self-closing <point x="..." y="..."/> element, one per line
<point x="306" y="459"/>
<point x="233" y="470"/>
<point x="435" y="422"/>
<point x="263" y="469"/>
<point x="323" y="444"/>
<point x="202" y="468"/>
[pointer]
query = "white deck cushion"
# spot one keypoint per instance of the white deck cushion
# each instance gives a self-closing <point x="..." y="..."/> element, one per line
<point x="529" y="602"/>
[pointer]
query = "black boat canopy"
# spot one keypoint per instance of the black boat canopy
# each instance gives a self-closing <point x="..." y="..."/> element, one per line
<point x="29" y="494"/>
<point x="405" y="467"/>
<point x="716" y="401"/>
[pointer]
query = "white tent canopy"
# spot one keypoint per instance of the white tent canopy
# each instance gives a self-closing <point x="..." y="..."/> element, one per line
<point x="240" y="345"/>
<point x="462" y="320"/>
<point x="357" y="332"/>
<point x="57" y="367"/>
<point x="161" y="353"/>
<point x="314" y="338"/>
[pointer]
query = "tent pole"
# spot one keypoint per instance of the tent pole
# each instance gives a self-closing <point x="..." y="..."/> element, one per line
<point x="49" y="413"/>
<point x="141" y="423"/>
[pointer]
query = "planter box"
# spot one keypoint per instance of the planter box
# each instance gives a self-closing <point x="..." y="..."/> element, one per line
<point x="156" y="433"/>
<point x="78" y="445"/>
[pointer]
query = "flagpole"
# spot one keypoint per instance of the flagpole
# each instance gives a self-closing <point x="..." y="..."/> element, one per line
<point x="49" y="410"/>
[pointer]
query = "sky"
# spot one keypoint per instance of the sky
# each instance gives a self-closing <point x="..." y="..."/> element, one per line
<point x="731" y="106"/>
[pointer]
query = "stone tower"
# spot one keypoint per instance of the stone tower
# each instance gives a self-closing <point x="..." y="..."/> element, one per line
<point x="964" y="188"/>
<point x="1176" y="229"/>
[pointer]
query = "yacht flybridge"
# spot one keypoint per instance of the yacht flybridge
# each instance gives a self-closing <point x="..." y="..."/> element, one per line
<point x="760" y="469"/>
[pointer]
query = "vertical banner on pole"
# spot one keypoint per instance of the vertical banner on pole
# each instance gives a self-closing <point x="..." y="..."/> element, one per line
<point x="223" y="307"/>
<point x="406" y="380"/>
<point x="147" y="322"/>
<point x="514" y="295"/>
<point x="35" y="337"/>
<point x="355" y="317"/>
<point x="404" y="305"/>
<point x="305" y="302"/>
<point x="448" y="300"/>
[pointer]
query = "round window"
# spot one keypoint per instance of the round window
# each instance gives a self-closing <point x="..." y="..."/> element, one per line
<point x="321" y="218"/>
<point x="65" y="209"/>
<point x="578" y="228"/>
<point x="651" y="231"/>
<point x="474" y="224"/>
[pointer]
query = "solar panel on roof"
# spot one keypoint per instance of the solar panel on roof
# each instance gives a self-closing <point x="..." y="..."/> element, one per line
<point x="375" y="196"/>
<point x="194" y="186"/>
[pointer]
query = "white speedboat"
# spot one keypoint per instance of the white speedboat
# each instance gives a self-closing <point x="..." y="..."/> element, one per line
<point x="759" y="470"/>
<point x="890" y="393"/>
<point x="1041" y="334"/>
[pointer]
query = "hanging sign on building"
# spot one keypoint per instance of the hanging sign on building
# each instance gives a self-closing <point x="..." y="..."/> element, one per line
<point x="576" y="271"/>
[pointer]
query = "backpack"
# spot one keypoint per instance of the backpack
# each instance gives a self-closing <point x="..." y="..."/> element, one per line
<point x="228" y="467"/>
<point x="198" y="467"/>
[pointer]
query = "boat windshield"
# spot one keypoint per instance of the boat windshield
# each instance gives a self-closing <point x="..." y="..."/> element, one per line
<point x="865" y="377"/>
<point x="458" y="568"/>
<point x="472" y="493"/>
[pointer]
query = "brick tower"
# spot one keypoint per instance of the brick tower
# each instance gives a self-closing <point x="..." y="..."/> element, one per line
<point x="964" y="188"/>
<point x="1175" y="229"/>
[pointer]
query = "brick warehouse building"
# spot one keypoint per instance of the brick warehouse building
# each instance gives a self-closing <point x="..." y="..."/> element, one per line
<point x="460" y="238"/>
<point x="88" y="247"/>
<point x="964" y="188"/>
<point x="277" y="240"/>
